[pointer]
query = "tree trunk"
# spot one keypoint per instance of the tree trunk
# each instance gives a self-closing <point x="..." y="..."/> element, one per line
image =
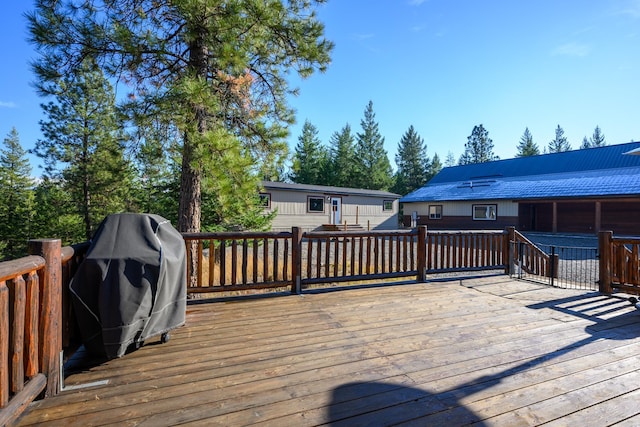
<point x="190" y="208"/>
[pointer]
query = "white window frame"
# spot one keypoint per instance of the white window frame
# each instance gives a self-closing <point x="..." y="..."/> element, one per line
<point x="490" y="212"/>
<point x="437" y="214"/>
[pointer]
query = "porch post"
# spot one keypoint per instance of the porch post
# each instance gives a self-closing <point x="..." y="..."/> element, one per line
<point x="554" y="223"/>
<point x="507" y="253"/>
<point x="605" y="250"/>
<point x="598" y="217"/>
<point x="50" y="339"/>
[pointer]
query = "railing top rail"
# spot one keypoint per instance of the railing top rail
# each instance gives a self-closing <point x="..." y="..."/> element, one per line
<point x="519" y="237"/>
<point x="229" y="235"/>
<point x="466" y="232"/>
<point x="17" y="267"/>
<point x="626" y="240"/>
<point x="325" y="234"/>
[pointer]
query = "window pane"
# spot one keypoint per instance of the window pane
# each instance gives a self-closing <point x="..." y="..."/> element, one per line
<point x="316" y="204"/>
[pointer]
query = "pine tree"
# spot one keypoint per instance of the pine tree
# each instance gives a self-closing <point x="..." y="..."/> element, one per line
<point x="585" y="143"/>
<point x="435" y="168"/>
<point x="479" y="147"/>
<point x="84" y="146"/>
<point x="16" y="209"/>
<point x="450" y="160"/>
<point x="597" y="139"/>
<point x="373" y="169"/>
<point x="526" y="147"/>
<point x="341" y="171"/>
<point x="217" y="69"/>
<point x="413" y="163"/>
<point x="310" y="158"/>
<point x="559" y="143"/>
<point x="67" y="224"/>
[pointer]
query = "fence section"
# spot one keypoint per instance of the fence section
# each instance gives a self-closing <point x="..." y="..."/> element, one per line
<point x="569" y="267"/>
<point x="352" y="256"/>
<point x="466" y="250"/>
<point x="240" y="260"/>
<point x="619" y="263"/>
<point x="247" y="260"/>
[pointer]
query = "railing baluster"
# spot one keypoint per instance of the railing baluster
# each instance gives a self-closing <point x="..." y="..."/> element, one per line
<point x="212" y="262"/>
<point x="254" y="254"/>
<point x="223" y="262"/>
<point x="245" y="254"/>
<point x="275" y="260"/>
<point x="265" y="260"/>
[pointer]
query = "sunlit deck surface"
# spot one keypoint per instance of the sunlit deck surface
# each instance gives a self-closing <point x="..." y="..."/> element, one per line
<point x="488" y="351"/>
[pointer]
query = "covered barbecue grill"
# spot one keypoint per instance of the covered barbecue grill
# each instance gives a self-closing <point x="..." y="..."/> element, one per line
<point x="131" y="286"/>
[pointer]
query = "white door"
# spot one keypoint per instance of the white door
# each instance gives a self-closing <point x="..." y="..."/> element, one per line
<point x="336" y="209"/>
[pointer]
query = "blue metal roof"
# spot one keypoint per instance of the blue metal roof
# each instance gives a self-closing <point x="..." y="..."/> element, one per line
<point x="594" y="172"/>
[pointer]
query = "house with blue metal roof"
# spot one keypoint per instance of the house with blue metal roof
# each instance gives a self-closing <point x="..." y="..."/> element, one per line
<point x="580" y="191"/>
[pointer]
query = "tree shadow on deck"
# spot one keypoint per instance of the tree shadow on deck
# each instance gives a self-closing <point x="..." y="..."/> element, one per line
<point x="382" y="404"/>
<point x="377" y="403"/>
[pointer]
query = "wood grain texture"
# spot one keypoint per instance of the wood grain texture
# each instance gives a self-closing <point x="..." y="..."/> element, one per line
<point x="471" y="350"/>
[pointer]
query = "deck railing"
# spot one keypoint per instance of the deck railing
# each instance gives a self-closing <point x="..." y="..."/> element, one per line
<point x="35" y="324"/>
<point x="466" y="250"/>
<point x="296" y="260"/>
<point x="530" y="258"/>
<point x="619" y="263"/>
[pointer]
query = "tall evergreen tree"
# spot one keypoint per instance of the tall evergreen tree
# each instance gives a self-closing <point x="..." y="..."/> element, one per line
<point x="373" y="169"/>
<point x="435" y="168"/>
<point x="412" y="161"/>
<point x="310" y="158"/>
<point x="585" y="143"/>
<point x="84" y="145"/>
<point x="597" y="139"/>
<point x="526" y="146"/>
<point x="342" y="168"/>
<point x="219" y="69"/>
<point x="559" y="143"/>
<point x="450" y="160"/>
<point x="16" y="209"/>
<point x="479" y="147"/>
<point x="67" y="224"/>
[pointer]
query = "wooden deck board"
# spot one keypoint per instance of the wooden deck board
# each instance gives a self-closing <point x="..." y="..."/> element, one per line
<point x="487" y="351"/>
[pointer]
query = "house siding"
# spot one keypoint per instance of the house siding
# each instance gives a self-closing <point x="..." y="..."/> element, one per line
<point x="459" y="215"/>
<point x="366" y="211"/>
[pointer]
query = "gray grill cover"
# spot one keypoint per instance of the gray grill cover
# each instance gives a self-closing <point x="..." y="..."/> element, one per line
<point x="132" y="284"/>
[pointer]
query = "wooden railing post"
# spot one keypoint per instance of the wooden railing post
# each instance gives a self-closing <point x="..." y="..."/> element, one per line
<point x="508" y="254"/>
<point x="605" y="250"/>
<point x="421" y="254"/>
<point x="296" y="260"/>
<point x="50" y="339"/>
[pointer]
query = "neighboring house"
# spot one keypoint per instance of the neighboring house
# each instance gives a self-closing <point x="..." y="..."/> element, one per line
<point x="317" y="207"/>
<point x="580" y="191"/>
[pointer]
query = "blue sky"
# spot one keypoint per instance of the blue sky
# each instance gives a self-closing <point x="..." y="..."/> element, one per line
<point x="442" y="66"/>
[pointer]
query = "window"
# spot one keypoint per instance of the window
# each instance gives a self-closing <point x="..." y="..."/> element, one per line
<point x="435" y="211"/>
<point x="265" y="200"/>
<point x="485" y="212"/>
<point x="387" y="205"/>
<point x="315" y="204"/>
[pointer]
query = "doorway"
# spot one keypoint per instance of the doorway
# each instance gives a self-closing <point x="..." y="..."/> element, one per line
<point x="336" y="210"/>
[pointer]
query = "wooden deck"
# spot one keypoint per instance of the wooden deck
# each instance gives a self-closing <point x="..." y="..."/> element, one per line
<point x="488" y="351"/>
